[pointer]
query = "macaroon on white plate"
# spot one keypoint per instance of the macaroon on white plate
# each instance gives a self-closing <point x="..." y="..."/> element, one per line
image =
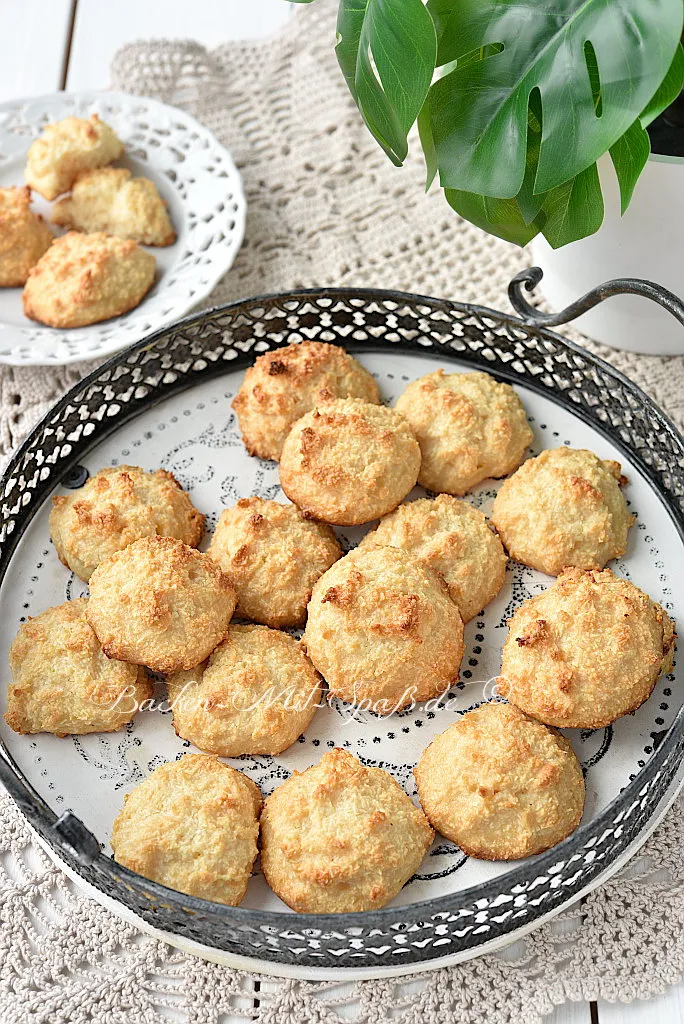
<point x="195" y="175"/>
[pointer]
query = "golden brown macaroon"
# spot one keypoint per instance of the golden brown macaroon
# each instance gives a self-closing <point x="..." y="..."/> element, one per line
<point x="118" y="505"/>
<point x="63" y="683"/>
<point x="65" y="149"/>
<point x="274" y="554"/>
<point x="340" y="837"/>
<point x="348" y="462"/>
<point x="110" y="199"/>
<point x="383" y="630"/>
<point x="192" y="825"/>
<point x="563" y="508"/>
<point x="160" y="603"/>
<point x="453" y="538"/>
<point x="586" y="651"/>
<point x="469" y="427"/>
<point x="24" y="236"/>
<point x="256" y="695"/>
<point x="283" y="385"/>
<point x="500" y="785"/>
<point x="83" y="279"/>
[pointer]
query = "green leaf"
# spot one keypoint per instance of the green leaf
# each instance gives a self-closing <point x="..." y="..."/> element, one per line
<point x="574" y="209"/>
<point x="387" y="51"/>
<point x="428" y="144"/>
<point x="500" y="217"/>
<point x="629" y="156"/>
<point x="381" y="119"/>
<point x="594" y="77"/>
<point x="479" y="111"/>
<point x="668" y="90"/>
<point x="528" y="201"/>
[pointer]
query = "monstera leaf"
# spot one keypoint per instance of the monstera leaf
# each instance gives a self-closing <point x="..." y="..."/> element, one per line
<point x="527" y="95"/>
<point x="479" y="112"/>
<point x="387" y="51"/>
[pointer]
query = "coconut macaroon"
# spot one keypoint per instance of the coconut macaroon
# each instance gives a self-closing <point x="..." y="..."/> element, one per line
<point x="383" y="630"/>
<point x="192" y="825"/>
<point x="160" y="603"/>
<point x="256" y="695"/>
<point x="500" y="785"/>
<point x="65" y="149"/>
<point x="453" y="538"/>
<point x="117" y="506"/>
<point x="348" y="462"/>
<point x="469" y="427"/>
<point x="340" y="837"/>
<point x="83" y="279"/>
<point x="563" y="508"/>
<point x="110" y="199"/>
<point x="586" y="651"/>
<point x="24" y="236"/>
<point x="274" y="554"/>
<point x="285" y="384"/>
<point x="62" y="681"/>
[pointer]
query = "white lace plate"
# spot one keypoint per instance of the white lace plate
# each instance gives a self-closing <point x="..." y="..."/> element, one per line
<point x="195" y="435"/>
<point x="195" y="175"/>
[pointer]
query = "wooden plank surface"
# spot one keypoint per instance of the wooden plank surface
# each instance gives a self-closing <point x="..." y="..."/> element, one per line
<point x="568" y="1013"/>
<point x="571" y="1013"/>
<point x="665" y="1009"/>
<point x="32" y="46"/>
<point x="100" y="28"/>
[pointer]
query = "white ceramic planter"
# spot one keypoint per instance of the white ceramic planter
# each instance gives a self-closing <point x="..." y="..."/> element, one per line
<point x="648" y="242"/>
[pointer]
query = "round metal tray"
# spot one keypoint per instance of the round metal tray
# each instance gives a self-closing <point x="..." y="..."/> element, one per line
<point x="208" y="345"/>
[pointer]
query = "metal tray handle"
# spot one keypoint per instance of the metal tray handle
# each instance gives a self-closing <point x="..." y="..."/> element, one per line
<point x="70" y="829"/>
<point x="528" y="279"/>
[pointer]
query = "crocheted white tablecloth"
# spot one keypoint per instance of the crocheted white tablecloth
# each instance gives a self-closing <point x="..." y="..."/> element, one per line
<point x="325" y="208"/>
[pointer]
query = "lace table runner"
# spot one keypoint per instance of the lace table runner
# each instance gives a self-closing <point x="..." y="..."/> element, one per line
<point x="325" y="208"/>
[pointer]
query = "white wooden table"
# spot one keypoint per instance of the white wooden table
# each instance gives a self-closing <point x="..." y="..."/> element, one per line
<point x="47" y="45"/>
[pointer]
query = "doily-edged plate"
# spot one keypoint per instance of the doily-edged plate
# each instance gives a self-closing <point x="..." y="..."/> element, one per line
<point x="166" y="403"/>
<point x="195" y="175"/>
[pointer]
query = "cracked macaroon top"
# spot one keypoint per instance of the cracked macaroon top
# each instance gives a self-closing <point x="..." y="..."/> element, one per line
<point x="500" y="785"/>
<point x="383" y="630"/>
<point x="110" y="199"/>
<point x="348" y="462"/>
<point x="65" y="149"/>
<point x="586" y="651"/>
<point x="192" y="825"/>
<point x="563" y="508"/>
<point x="341" y="837"/>
<point x="469" y="427"/>
<point x="117" y="506"/>
<point x="453" y="538"/>
<point x="84" y="279"/>
<point x="160" y="603"/>
<point x="63" y="683"/>
<point x="274" y="554"/>
<point x="285" y="384"/>
<point x="256" y="695"/>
